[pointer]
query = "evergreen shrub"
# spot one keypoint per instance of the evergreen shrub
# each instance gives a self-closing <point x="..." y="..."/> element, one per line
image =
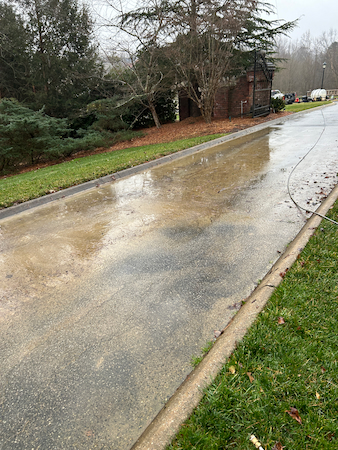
<point x="277" y="104"/>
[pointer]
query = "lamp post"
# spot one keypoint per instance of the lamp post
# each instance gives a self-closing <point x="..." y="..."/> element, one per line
<point x="324" y="65"/>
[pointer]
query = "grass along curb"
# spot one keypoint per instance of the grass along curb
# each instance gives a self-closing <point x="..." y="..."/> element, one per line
<point x="297" y="107"/>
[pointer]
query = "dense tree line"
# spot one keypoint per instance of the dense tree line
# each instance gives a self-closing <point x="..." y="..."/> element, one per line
<point x="301" y="66"/>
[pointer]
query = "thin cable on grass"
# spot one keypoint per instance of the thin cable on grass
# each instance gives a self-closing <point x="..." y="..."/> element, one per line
<point x="292" y="171"/>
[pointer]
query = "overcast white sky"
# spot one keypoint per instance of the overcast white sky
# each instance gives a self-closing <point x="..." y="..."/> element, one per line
<point x="315" y="15"/>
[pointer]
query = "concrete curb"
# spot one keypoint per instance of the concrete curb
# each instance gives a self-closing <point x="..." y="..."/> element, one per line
<point x="12" y="210"/>
<point x="180" y="406"/>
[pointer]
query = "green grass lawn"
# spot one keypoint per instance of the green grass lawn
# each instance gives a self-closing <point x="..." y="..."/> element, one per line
<point x="288" y="359"/>
<point x="23" y="187"/>
<point x="296" y="107"/>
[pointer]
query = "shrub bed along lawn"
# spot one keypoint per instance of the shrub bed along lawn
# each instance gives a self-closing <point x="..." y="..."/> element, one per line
<point x="288" y="359"/>
<point x="29" y="185"/>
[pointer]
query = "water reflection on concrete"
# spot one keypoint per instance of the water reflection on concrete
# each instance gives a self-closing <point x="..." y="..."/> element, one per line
<point x="106" y="295"/>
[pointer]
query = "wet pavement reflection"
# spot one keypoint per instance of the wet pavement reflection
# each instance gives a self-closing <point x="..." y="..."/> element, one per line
<point x="106" y="295"/>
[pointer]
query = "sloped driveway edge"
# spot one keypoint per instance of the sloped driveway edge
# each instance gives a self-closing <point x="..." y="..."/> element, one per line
<point x="180" y="406"/>
<point x="30" y="204"/>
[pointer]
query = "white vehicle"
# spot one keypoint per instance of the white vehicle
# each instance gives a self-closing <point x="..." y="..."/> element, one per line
<point x="275" y="93"/>
<point x="318" y="94"/>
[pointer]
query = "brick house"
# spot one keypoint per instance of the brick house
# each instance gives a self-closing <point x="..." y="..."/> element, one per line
<point x="236" y="99"/>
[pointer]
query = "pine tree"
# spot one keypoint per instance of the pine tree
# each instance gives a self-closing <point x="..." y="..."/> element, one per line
<point x="26" y="136"/>
<point x="14" y="55"/>
<point x="60" y="62"/>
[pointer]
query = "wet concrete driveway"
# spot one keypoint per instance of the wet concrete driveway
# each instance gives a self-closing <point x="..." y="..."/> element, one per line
<point x="106" y="295"/>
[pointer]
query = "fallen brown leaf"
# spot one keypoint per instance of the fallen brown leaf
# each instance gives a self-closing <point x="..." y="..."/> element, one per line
<point x="281" y="320"/>
<point x="317" y="396"/>
<point x="278" y="446"/>
<point x="330" y="436"/>
<point x="282" y="274"/>
<point x="295" y="414"/>
<point x="251" y="378"/>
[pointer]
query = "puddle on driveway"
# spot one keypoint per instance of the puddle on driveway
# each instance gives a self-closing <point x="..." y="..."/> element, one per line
<point x="52" y="245"/>
<point x="106" y="295"/>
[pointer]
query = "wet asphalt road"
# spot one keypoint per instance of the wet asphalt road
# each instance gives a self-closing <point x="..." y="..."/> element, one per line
<point x="106" y="295"/>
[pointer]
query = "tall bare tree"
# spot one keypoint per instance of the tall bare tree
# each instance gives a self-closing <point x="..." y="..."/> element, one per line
<point x="138" y="41"/>
<point x="205" y="37"/>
